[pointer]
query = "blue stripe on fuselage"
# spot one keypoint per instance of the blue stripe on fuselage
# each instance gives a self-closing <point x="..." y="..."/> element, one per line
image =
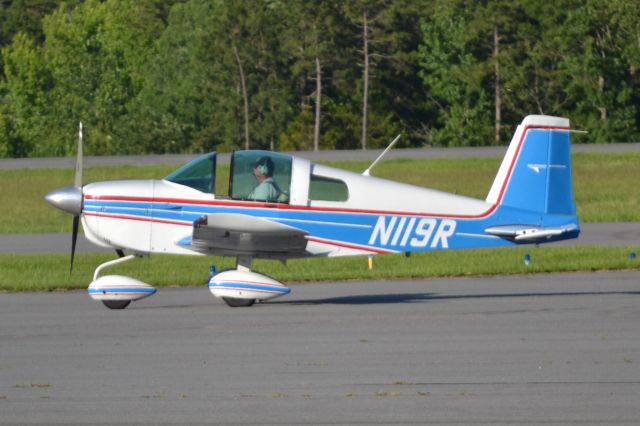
<point x="386" y="231"/>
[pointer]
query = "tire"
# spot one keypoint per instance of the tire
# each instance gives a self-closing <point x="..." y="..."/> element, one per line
<point x="238" y="303"/>
<point x="116" y="304"/>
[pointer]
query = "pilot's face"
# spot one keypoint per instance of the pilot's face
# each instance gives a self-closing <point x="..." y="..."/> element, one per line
<point x="256" y="172"/>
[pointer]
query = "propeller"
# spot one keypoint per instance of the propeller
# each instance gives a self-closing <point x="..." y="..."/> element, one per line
<point x="70" y="198"/>
<point x="74" y="238"/>
<point x="77" y="183"/>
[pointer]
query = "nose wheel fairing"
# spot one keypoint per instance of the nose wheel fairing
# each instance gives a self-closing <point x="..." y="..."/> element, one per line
<point x="117" y="291"/>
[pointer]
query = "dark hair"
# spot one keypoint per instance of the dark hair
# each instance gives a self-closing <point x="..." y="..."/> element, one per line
<point x="267" y="163"/>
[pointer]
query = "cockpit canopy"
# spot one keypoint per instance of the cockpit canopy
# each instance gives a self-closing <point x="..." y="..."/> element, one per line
<point x="298" y="182"/>
<point x="199" y="174"/>
<point x="245" y="182"/>
<point x="260" y="176"/>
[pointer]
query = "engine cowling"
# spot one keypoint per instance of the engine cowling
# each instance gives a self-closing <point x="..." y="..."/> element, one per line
<point x="119" y="288"/>
<point x="248" y="285"/>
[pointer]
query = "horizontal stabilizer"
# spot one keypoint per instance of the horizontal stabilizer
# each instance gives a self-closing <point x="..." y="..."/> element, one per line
<point x="524" y="233"/>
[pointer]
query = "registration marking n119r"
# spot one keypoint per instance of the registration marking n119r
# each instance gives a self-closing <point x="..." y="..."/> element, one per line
<point x="401" y="230"/>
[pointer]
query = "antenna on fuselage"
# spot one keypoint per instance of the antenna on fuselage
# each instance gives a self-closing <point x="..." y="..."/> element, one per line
<point x="393" y="142"/>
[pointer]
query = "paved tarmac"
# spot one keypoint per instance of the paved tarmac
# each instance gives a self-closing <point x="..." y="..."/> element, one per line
<point x="540" y="349"/>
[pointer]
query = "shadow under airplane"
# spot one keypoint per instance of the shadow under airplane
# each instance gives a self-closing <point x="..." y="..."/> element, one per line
<point x="374" y="299"/>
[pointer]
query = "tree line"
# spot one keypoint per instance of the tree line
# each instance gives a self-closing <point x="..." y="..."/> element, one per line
<point x="183" y="76"/>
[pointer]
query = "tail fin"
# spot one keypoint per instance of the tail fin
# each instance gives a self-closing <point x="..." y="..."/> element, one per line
<point x="535" y="174"/>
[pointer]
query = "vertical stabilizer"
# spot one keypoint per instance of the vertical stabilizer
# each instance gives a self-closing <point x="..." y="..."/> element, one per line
<point x="535" y="174"/>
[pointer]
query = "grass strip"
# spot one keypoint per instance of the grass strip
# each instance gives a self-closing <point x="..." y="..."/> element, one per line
<point x="51" y="272"/>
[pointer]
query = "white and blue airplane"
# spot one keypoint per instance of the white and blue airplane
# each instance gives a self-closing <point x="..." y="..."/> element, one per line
<point x="282" y="207"/>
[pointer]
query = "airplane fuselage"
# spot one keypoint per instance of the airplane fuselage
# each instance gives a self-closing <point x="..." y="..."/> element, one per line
<point x="156" y="216"/>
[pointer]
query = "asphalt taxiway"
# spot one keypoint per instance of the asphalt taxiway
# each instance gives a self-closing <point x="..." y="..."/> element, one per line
<point x="426" y="152"/>
<point x="538" y="349"/>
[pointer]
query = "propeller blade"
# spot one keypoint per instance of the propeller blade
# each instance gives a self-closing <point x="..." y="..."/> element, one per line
<point x="78" y="184"/>
<point x="78" y="178"/>
<point x="74" y="238"/>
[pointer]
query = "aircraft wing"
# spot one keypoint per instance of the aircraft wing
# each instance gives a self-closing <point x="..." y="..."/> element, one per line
<point x="232" y="234"/>
<point x="526" y="234"/>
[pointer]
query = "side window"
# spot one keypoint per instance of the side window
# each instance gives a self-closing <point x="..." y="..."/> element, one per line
<point x="327" y="189"/>
<point x="260" y="176"/>
<point x="198" y="174"/>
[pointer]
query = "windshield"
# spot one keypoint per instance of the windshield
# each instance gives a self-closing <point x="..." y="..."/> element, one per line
<point x="197" y="174"/>
<point x="260" y="176"/>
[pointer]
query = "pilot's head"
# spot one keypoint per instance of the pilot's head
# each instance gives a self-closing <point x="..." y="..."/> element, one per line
<point x="263" y="167"/>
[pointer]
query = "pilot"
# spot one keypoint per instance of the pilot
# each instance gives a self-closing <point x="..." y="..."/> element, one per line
<point x="267" y="189"/>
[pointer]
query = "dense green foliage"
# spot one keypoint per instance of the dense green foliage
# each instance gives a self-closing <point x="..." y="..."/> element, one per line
<point x="197" y="75"/>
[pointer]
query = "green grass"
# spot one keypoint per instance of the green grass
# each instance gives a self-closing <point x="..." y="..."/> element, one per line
<point x="606" y="186"/>
<point x="22" y="206"/>
<point x="49" y="273"/>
